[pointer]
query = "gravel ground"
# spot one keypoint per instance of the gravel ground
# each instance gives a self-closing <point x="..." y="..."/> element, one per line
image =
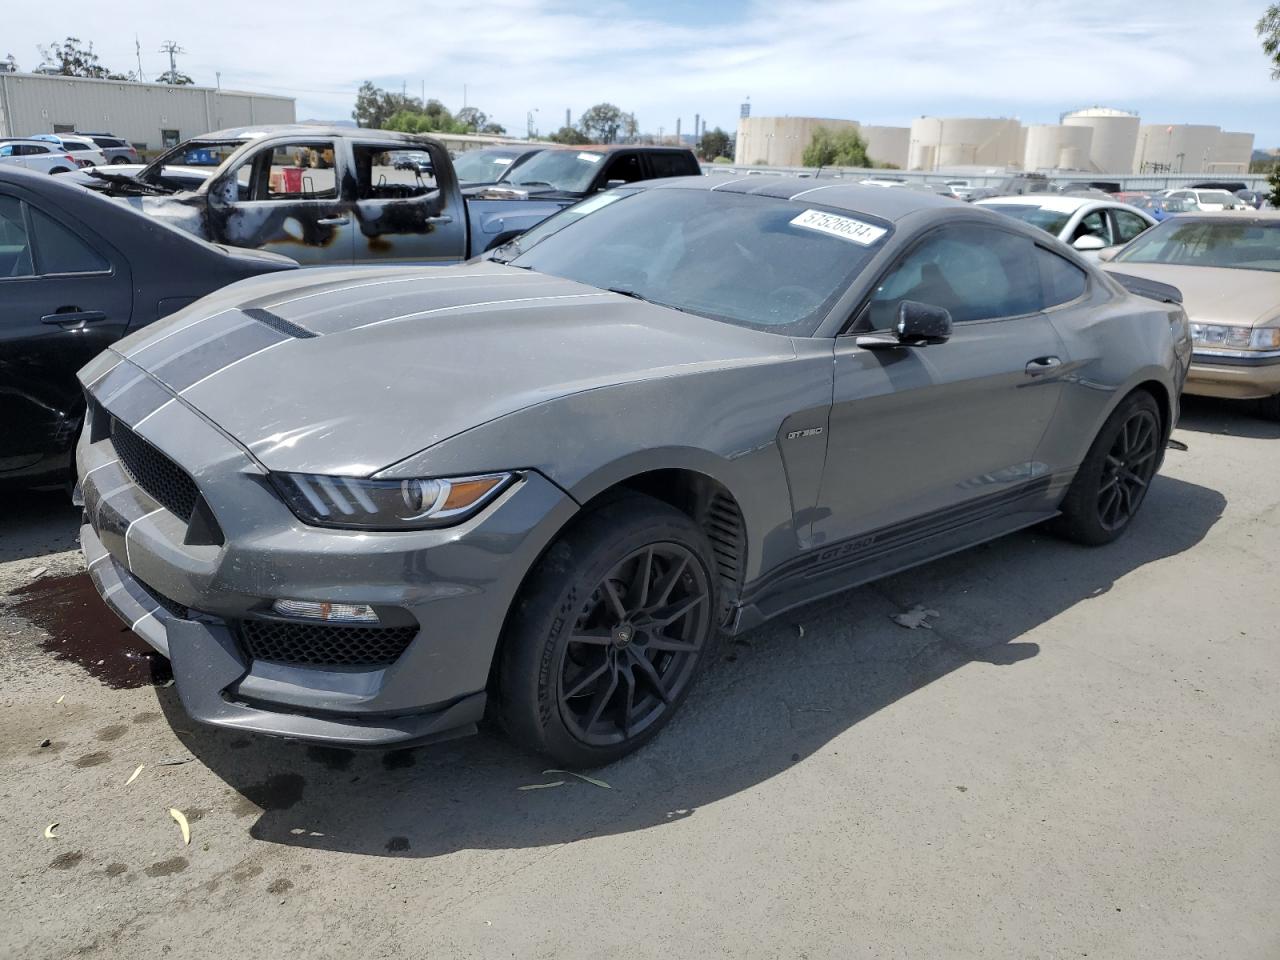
<point x="1081" y="759"/>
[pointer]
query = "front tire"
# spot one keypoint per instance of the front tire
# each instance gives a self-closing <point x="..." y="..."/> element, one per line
<point x="1112" y="482"/>
<point x="608" y="634"/>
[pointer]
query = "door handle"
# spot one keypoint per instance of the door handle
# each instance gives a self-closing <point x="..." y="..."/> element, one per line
<point x="1042" y="365"/>
<point x="333" y="221"/>
<point x="443" y="218"/>
<point x="74" y="316"/>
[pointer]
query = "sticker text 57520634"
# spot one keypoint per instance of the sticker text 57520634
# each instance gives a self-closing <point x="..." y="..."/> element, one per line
<point x="846" y="228"/>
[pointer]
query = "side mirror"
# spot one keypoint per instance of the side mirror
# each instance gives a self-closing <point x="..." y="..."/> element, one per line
<point x="1090" y="242"/>
<point x="1107" y="255"/>
<point x="919" y="324"/>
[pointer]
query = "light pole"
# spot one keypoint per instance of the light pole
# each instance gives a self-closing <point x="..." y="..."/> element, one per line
<point x="529" y="131"/>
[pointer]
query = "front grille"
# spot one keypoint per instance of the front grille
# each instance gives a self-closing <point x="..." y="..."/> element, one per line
<point x="324" y="644"/>
<point x="165" y="481"/>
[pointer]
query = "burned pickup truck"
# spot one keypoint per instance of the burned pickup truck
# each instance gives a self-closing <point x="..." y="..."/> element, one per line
<point x="333" y="195"/>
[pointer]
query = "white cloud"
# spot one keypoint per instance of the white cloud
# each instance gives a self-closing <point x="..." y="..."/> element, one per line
<point x="854" y="58"/>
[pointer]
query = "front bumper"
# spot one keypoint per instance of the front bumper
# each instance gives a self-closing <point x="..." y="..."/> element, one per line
<point x="186" y="599"/>
<point x="1237" y="378"/>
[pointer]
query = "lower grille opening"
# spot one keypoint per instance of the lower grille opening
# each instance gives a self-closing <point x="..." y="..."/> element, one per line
<point x="324" y="644"/>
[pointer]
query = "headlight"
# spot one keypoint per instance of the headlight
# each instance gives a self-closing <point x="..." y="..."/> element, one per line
<point x="1235" y="338"/>
<point x="358" y="503"/>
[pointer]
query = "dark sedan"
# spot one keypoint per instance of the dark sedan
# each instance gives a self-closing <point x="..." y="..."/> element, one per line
<point x="541" y="486"/>
<point x="78" y="272"/>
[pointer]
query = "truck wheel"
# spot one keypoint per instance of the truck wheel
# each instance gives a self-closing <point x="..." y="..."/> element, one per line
<point x="608" y="634"/>
<point x="1112" y="481"/>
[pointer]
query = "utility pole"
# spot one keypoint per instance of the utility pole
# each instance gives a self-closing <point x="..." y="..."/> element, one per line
<point x="464" y="95"/>
<point x="567" y="122"/>
<point x="678" y="131"/>
<point x="137" y="51"/>
<point x="697" y="129"/>
<point x="218" y="75"/>
<point x="172" y="49"/>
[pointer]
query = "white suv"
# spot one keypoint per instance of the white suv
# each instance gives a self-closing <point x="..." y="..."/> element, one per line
<point x="42" y="156"/>
<point x="86" y="152"/>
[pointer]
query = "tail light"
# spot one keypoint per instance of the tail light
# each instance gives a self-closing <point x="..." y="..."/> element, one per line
<point x="67" y="156"/>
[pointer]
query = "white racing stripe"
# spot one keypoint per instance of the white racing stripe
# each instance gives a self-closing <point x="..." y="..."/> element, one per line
<point x="128" y="558"/>
<point x="825" y="186"/>
<point x="153" y="413"/>
<point x="483" y="303"/>
<point x="99" y="467"/>
<point x="179" y="329"/>
<point x="149" y="613"/>
<point x="727" y="182"/>
<point x="380" y="283"/>
<point x="232" y="364"/>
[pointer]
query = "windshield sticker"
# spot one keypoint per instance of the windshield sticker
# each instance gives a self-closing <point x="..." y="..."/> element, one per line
<point x="846" y="228"/>
<point x="590" y="157"/>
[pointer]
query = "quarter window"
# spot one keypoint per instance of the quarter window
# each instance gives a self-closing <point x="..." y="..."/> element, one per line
<point x="1128" y="225"/>
<point x="975" y="272"/>
<point x="15" y="246"/>
<point x="668" y="165"/>
<point x="1063" y="280"/>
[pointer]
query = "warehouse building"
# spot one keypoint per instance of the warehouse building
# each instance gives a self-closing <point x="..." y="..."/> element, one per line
<point x="149" y="115"/>
<point x="780" y="141"/>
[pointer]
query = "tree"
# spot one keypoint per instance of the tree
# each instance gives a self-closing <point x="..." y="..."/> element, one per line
<point x="8" y="65"/>
<point x="601" y="123"/>
<point x="1274" y="182"/>
<point x="1269" y="31"/>
<point x="177" y="78"/>
<point x="71" y="58"/>
<point x="568" y="135"/>
<point x="496" y="129"/>
<point x="471" y="118"/>
<point x="715" y="143"/>
<point x="836" y="148"/>
<point x="375" y="106"/>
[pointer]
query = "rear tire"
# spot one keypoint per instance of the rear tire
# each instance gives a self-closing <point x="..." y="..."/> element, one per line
<point x="119" y="160"/>
<point x="1113" y="480"/>
<point x="608" y="633"/>
<point x="58" y="170"/>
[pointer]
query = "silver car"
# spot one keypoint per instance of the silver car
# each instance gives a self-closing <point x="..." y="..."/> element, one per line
<point x="365" y="506"/>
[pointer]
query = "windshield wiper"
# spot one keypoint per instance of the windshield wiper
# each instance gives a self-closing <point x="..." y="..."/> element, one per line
<point x="622" y="291"/>
<point x="124" y="181"/>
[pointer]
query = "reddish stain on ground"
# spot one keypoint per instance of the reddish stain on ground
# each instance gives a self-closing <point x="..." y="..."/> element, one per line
<point x="82" y="630"/>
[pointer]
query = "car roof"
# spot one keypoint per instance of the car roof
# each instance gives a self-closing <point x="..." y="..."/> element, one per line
<point x="1057" y="202"/>
<point x="854" y="198"/>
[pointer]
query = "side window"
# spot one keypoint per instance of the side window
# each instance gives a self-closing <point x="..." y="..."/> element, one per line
<point x="15" y="246"/>
<point x="390" y="172"/>
<point x="668" y="165"/>
<point x="1093" y="225"/>
<point x="976" y="272"/>
<point x="625" y="167"/>
<point x="1128" y="225"/>
<point x="7" y="150"/>
<point x="58" y="250"/>
<point x="1063" y="281"/>
<point x="300" y="171"/>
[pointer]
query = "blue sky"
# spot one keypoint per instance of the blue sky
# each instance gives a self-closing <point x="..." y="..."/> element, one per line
<point x="1178" y="61"/>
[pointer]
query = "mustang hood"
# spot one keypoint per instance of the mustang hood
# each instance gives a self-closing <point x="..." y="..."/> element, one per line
<point x="1216" y="294"/>
<point x="348" y="371"/>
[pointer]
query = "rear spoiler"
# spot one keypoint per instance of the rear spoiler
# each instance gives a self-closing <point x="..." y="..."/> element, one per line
<point x="1152" y="289"/>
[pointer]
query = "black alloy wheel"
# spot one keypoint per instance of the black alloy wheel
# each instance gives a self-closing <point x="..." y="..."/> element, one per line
<point x="635" y="644"/>
<point x="1113" y="481"/>
<point x="1128" y="468"/>
<point x="608" y="634"/>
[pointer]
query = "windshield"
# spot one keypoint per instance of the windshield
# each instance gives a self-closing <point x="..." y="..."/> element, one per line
<point x="570" y="171"/>
<point x="1201" y="243"/>
<point x="1050" y="221"/>
<point x="483" y="166"/>
<point x="191" y="153"/>
<point x="1217" y="196"/>
<point x="753" y="261"/>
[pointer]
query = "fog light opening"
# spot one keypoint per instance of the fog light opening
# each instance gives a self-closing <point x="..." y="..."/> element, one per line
<point x="325" y="611"/>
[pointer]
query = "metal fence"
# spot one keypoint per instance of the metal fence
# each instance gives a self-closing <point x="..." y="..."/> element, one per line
<point x="1137" y="183"/>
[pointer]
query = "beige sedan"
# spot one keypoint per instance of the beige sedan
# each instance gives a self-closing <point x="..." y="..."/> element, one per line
<point x="1227" y="266"/>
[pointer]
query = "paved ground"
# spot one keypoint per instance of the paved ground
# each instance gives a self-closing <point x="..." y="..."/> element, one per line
<point x="1082" y="759"/>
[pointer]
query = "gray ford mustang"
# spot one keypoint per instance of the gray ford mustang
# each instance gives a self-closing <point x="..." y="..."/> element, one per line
<point x="362" y="506"/>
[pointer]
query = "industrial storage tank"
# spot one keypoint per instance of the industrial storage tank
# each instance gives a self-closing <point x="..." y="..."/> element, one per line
<point x="1114" y="137"/>
<point x="780" y="141"/>
<point x="939" y="142"/>
<point x="887" y="145"/>
<point x="1232" y="153"/>
<point x="1054" y="147"/>
<point x="1175" y="148"/>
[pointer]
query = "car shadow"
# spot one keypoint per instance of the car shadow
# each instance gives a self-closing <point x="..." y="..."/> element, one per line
<point x="1232" y="418"/>
<point x="36" y="523"/>
<point x="771" y="698"/>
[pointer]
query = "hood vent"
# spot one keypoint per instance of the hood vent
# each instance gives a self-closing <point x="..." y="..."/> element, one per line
<point x="278" y="323"/>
